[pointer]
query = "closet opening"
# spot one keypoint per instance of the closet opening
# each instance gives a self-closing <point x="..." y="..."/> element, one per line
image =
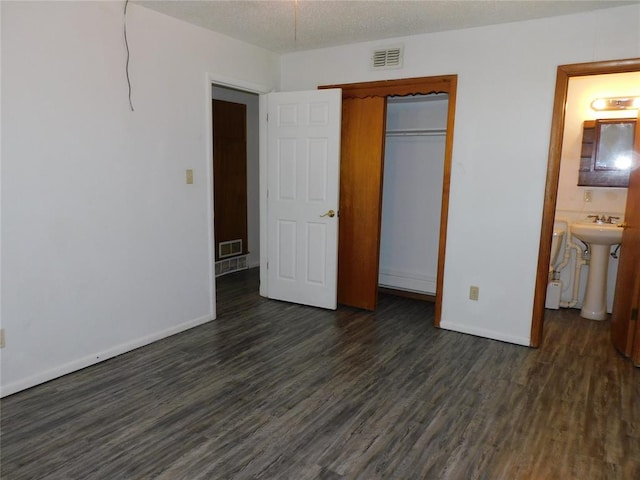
<point x="414" y="157"/>
<point x="362" y="156"/>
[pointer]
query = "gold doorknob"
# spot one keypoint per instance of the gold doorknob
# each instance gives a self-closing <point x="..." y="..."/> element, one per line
<point x="622" y="225"/>
<point x="329" y="214"/>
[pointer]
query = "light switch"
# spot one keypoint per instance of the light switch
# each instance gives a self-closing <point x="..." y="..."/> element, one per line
<point x="189" y="177"/>
<point x="474" y="292"/>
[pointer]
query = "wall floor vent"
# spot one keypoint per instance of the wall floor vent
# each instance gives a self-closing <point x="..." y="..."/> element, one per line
<point x="231" y="265"/>
<point x="230" y="248"/>
<point x="387" y="58"/>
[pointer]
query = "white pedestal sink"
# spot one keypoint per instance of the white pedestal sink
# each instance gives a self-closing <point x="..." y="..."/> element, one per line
<point x="599" y="237"/>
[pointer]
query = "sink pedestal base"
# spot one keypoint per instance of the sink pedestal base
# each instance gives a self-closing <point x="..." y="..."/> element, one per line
<point x="594" y="305"/>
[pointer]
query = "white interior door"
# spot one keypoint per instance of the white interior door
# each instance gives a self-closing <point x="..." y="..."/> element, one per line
<point x="303" y="167"/>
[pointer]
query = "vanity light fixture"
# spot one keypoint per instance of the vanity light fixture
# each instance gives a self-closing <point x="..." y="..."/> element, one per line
<point x="616" y="103"/>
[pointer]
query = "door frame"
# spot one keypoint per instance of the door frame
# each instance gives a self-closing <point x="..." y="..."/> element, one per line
<point x="564" y="73"/>
<point x="237" y="84"/>
<point x="415" y="86"/>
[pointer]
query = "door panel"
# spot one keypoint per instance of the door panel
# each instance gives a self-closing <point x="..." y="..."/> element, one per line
<point x="623" y="328"/>
<point x="303" y="176"/>
<point x="361" y="168"/>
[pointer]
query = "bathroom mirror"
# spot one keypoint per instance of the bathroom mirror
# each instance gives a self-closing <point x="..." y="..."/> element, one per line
<point x="607" y="149"/>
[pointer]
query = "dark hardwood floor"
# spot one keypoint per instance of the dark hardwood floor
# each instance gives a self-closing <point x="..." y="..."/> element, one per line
<point x="279" y="391"/>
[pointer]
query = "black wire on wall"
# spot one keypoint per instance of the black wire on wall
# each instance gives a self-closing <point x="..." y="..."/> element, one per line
<point x="126" y="44"/>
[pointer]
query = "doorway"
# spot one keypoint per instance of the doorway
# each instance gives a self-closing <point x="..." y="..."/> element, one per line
<point x="564" y="74"/>
<point x="235" y="167"/>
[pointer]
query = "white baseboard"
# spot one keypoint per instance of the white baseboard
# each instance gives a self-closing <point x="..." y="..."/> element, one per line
<point x="482" y="332"/>
<point x="407" y="281"/>
<point x="98" y="357"/>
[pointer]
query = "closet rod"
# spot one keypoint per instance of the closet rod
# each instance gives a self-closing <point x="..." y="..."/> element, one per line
<point x="424" y="132"/>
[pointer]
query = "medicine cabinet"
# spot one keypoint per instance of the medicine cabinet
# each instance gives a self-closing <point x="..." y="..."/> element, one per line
<point x="607" y="150"/>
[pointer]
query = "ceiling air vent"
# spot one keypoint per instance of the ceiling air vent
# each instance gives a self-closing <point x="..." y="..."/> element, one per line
<point x="387" y="58"/>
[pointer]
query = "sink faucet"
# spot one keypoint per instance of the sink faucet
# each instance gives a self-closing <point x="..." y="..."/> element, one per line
<point x="603" y="219"/>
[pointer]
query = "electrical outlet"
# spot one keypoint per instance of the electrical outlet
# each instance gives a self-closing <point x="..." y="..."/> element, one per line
<point x="189" y="177"/>
<point x="474" y="292"/>
<point x="1" y="337"/>
<point x="587" y="196"/>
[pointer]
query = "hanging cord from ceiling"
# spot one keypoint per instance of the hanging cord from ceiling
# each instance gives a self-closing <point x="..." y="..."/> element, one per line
<point x="126" y="44"/>
<point x="295" y="20"/>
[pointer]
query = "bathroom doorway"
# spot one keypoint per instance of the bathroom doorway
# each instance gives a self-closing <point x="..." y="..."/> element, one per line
<point x="628" y="278"/>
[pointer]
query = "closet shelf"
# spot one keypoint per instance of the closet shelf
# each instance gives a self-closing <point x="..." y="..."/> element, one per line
<point x="416" y="132"/>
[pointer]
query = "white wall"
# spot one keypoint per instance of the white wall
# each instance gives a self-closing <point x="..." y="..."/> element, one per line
<point x="104" y="245"/>
<point x="253" y="200"/>
<point x="506" y="80"/>
<point x="412" y="194"/>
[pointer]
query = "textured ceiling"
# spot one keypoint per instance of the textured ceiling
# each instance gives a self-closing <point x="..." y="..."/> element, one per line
<point x="324" y="23"/>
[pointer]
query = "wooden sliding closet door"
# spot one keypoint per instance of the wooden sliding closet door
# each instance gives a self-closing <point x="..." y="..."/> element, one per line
<point x="361" y="168"/>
